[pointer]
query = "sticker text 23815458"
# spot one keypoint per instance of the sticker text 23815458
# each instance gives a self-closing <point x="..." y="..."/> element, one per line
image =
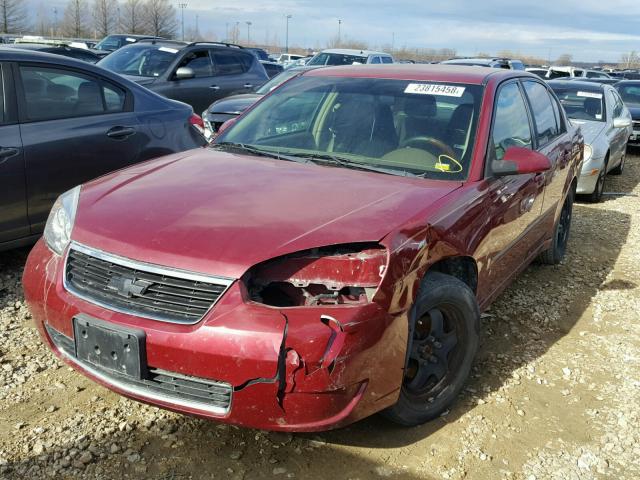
<point x="435" y="89"/>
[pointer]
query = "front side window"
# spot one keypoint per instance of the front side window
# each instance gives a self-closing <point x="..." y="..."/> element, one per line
<point x="403" y="127"/>
<point x="376" y="59"/>
<point x="198" y="61"/>
<point x="510" y="125"/>
<point x="543" y="114"/>
<point x="51" y="93"/>
<point x="387" y="60"/>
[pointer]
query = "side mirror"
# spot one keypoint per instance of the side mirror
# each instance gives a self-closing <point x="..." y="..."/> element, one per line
<point x="225" y="126"/>
<point x="621" y="122"/>
<point x="520" y="160"/>
<point x="185" y="73"/>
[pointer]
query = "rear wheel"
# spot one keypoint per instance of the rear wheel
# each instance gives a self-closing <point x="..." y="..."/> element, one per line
<point x="555" y="253"/>
<point x="443" y="342"/>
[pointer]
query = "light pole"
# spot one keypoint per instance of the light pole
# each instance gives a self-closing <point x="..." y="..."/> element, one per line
<point x="286" y="45"/>
<point x="182" y="6"/>
<point x="248" y="32"/>
<point x="236" y="33"/>
<point x="339" y="30"/>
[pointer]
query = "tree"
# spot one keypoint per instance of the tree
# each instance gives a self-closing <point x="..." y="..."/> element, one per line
<point x="105" y="17"/>
<point x="160" y="18"/>
<point x="630" y="60"/>
<point x="564" y="60"/>
<point x="13" y="16"/>
<point x="132" y="18"/>
<point x="75" y="20"/>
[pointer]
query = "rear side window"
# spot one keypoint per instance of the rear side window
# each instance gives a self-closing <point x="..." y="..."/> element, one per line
<point x="543" y="113"/>
<point x="511" y="122"/>
<point x="229" y="63"/>
<point x="51" y="93"/>
<point x="1" y="95"/>
<point x="387" y="60"/>
<point x="376" y="59"/>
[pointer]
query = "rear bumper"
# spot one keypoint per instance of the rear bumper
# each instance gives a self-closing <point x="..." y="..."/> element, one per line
<point x="286" y="369"/>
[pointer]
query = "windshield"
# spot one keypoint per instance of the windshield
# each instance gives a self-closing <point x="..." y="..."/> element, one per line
<point x="336" y="59"/>
<point x="404" y="127"/>
<point x="630" y="93"/>
<point x="142" y="60"/>
<point x="277" y="81"/>
<point x="110" y="43"/>
<point x="581" y="104"/>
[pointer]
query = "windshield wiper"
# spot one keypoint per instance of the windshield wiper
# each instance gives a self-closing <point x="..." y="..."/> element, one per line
<point x="259" y="152"/>
<point x="345" y="162"/>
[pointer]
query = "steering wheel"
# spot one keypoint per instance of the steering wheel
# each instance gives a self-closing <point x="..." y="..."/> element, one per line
<point x="423" y="140"/>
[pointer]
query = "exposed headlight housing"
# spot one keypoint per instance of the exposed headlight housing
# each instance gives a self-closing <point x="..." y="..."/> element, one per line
<point x="57" y="232"/>
<point x="336" y="275"/>
<point x="588" y="151"/>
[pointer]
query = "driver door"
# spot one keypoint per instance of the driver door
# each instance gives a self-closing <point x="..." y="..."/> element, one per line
<point x="514" y="201"/>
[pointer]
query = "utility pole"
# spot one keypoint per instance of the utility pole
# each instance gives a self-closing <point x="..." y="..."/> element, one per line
<point x="339" y="31"/>
<point x="286" y="45"/>
<point x="182" y="6"/>
<point x="55" y="22"/>
<point x="248" y="32"/>
<point x="197" y="28"/>
<point x="236" y="33"/>
<point x="393" y="41"/>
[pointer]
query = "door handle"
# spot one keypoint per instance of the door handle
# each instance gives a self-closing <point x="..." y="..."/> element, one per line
<point x="214" y="87"/>
<point x="121" y="132"/>
<point x="248" y="85"/>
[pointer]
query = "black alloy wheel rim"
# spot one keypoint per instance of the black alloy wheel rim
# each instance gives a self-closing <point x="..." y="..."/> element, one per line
<point x="564" y="225"/>
<point x="436" y="352"/>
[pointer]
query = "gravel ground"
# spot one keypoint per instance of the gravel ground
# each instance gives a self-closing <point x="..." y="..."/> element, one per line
<point x="555" y="392"/>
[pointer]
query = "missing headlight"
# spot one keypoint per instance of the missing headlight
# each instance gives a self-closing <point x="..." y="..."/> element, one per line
<point x="338" y="275"/>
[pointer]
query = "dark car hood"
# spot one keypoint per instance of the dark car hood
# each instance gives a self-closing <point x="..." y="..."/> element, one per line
<point x="235" y="104"/>
<point x="139" y="80"/>
<point x="220" y="213"/>
<point x="635" y="111"/>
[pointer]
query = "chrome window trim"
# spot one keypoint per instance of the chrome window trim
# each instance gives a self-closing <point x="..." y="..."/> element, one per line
<point x="150" y="395"/>
<point x="143" y="266"/>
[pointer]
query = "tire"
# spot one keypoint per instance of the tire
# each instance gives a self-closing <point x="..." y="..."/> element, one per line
<point x="596" y="195"/>
<point x="620" y="168"/>
<point x="443" y="341"/>
<point x="555" y="253"/>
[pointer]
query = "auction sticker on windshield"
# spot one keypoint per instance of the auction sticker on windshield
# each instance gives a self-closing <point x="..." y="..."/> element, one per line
<point x="434" y="89"/>
<point x="168" y="50"/>
<point x="590" y="95"/>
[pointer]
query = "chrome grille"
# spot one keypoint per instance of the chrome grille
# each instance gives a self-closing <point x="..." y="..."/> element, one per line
<point x="140" y="289"/>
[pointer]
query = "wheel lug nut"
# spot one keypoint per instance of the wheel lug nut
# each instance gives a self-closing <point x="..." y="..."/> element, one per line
<point x="433" y="359"/>
<point x="437" y="345"/>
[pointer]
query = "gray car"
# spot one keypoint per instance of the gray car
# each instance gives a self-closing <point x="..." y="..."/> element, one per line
<point x="606" y="125"/>
<point x="197" y="73"/>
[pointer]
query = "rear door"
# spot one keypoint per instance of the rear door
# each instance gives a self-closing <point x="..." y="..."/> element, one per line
<point x="617" y="136"/>
<point x="14" y="223"/>
<point x="75" y="127"/>
<point x="234" y="73"/>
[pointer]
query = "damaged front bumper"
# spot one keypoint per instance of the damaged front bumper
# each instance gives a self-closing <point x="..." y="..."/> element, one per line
<point x="294" y="369"/>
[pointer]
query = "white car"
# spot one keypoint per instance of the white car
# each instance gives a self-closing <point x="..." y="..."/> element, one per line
<point x="574" y="72"/>
<point x="605" y="122"/>
<point x="348" y="56"/>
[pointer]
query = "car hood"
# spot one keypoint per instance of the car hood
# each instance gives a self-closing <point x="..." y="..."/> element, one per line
<point x="635" y="111"/>
<point x="235" y="104"/>
<point x="220" y="213"/>
<point x="590" y="129"/>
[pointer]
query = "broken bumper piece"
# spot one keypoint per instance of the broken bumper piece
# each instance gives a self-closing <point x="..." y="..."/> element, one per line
<point x="290" y="369"/>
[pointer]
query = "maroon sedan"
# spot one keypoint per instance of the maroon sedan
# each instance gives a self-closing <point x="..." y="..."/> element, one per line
<point x="326" y="259"/>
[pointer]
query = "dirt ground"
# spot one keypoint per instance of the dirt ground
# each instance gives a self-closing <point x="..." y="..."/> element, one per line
<point x="555" y="391"/>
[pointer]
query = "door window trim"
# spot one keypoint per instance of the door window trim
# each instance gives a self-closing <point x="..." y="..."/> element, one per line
<point x="21" y="98"/>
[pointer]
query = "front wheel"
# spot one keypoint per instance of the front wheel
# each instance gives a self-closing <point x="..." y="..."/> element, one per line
<point x="443" y="340"/>
<point x="555" y="253"/>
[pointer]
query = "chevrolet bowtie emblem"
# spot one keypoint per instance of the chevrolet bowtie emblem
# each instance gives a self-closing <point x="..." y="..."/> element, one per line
<point x="128" y="287"/>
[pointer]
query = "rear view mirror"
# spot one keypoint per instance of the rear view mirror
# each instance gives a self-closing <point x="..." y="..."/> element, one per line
<point x="520" y="160"/>
<point x="185" y="73"/>
<point x="621" y="122"/>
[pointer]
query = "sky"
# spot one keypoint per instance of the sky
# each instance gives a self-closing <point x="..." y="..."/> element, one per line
<point x="590" y="30"/>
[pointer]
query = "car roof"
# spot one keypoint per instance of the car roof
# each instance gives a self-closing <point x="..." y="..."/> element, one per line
<point x="46" y="46"/>
<point x="420" y="72"/>
<point x="353" y="51"/>
<point x="575" y="84"/>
